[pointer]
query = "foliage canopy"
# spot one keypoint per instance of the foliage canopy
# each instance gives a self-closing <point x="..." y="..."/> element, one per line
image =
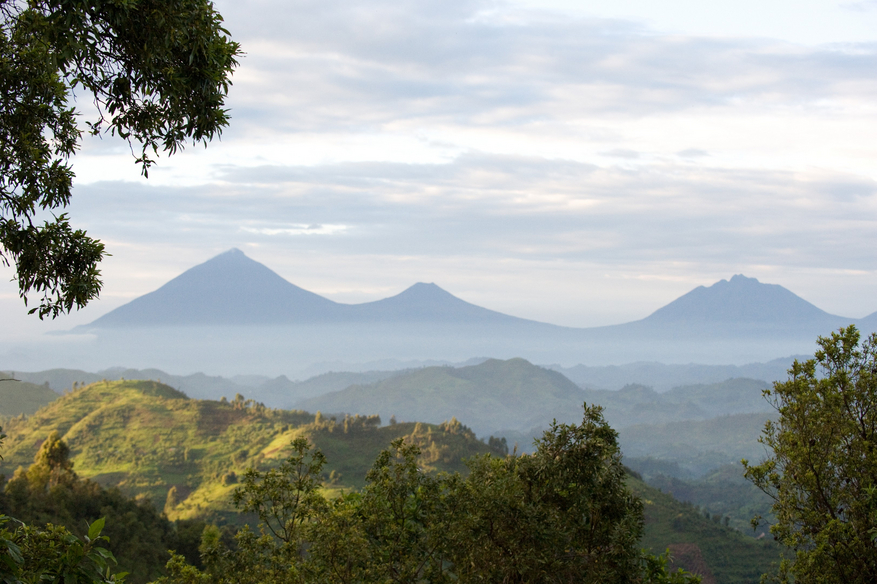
<point x="822" y="468"/>
<point x="158" y="72"/>
<point x="563" y="514"/>
<point x="29" y="553"/>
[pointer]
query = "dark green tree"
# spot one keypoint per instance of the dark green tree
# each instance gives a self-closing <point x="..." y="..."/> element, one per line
<point x="29" y="553"/>
<point x="52" y="554"/>
<point x="158" y="73"/>
<point x="562" y="515"/>
<point x="50" y="493"/>
<point x="405" y="517"/>
<point x="822" y="466"/>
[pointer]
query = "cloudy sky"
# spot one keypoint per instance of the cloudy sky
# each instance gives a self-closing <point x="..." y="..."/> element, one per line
<point x="572" y="161"/>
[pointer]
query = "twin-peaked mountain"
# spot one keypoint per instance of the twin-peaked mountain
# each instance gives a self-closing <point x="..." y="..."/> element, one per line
<point x="742" y="300"/>
<point x="232" y="289"/>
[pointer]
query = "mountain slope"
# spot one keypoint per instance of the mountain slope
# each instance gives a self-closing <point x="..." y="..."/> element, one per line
<point x="869" y="324"/>
<point x="229" y="289"/>
<point x="146" y="438"/>
<point x="740" y="300"/>
<point x="260" y="323"/>
<point x="232" y="289"/>
<point x="488" y="397"/>
<point x="729" y="556"/>
<point x="426" y="303"/>
<point x="20" y="397"/>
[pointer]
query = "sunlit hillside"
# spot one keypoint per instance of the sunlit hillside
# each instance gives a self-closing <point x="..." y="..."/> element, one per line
<point x="148" y="438"/>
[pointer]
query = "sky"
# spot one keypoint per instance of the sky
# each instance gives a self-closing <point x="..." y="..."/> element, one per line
<point x="577" y="162"/>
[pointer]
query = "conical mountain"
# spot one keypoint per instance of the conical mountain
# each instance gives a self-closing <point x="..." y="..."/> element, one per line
<point x="742" y="301"/>
<point x="230" y="289"/>
<point x="427" y="303"/>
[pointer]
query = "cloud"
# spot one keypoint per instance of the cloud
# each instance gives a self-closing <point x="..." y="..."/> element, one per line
<point x="296" y="230"/>
<point x="862" y="6"/>
<point x="511" y="207"/>
<point x="510" y="155"/>
<point x="500" y="230"/>
<point x="692" y="153"/>
<point x="622" y="153"/>
<point x="338" y="64"/>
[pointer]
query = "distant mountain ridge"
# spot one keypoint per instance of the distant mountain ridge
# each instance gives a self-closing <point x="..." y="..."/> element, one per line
<point x="515" y="397"/>
<point x="232" y="289"/>
<point x="232" y="315"/>
<point x="490" y="396"/>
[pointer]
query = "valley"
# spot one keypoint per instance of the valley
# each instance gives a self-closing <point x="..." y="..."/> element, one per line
<point x="187" y="456"/>
<point x="682" y="388"/>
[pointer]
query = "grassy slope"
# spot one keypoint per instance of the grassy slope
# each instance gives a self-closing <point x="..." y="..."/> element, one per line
<point x="21" y="397"/>
<point x="732" y="557"/>
<point x="146" y="437"/>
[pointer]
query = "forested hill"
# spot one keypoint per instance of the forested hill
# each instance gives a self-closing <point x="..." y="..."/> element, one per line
<point x="492" y="395"/>
<point x="499" y="397"/>
<point x="186" y="456"/>
<point x="148" y="439"/>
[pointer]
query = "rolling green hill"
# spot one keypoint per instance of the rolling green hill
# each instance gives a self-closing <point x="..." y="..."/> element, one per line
<point x="21" y="397"/>
<point x="731" y="557"/>
<point x="518" y="400"/>
<point x="488" y="397"/>
<point x="148" y="438"/>
<point x="151" y="440"/>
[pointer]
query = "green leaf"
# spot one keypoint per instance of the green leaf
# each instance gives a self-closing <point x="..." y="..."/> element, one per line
<point x="95" y="528"/>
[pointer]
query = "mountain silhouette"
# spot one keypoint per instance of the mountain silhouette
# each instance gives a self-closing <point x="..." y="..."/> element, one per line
<point x="232" y="289"/>
<point x="426" y="303"/>
<point x="741" y="300"/>
<point x="228" y="289"/>
<point x="233" y="315"/>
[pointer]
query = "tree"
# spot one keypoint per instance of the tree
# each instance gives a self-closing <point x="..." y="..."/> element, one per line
<point x="30" y="553"/>
<point x="33" y="554"/>
<point x="822" y="466"/>
<point x="50" y="493"/>
<point x="562" y="515"/>
<point x="158" y="73"/>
